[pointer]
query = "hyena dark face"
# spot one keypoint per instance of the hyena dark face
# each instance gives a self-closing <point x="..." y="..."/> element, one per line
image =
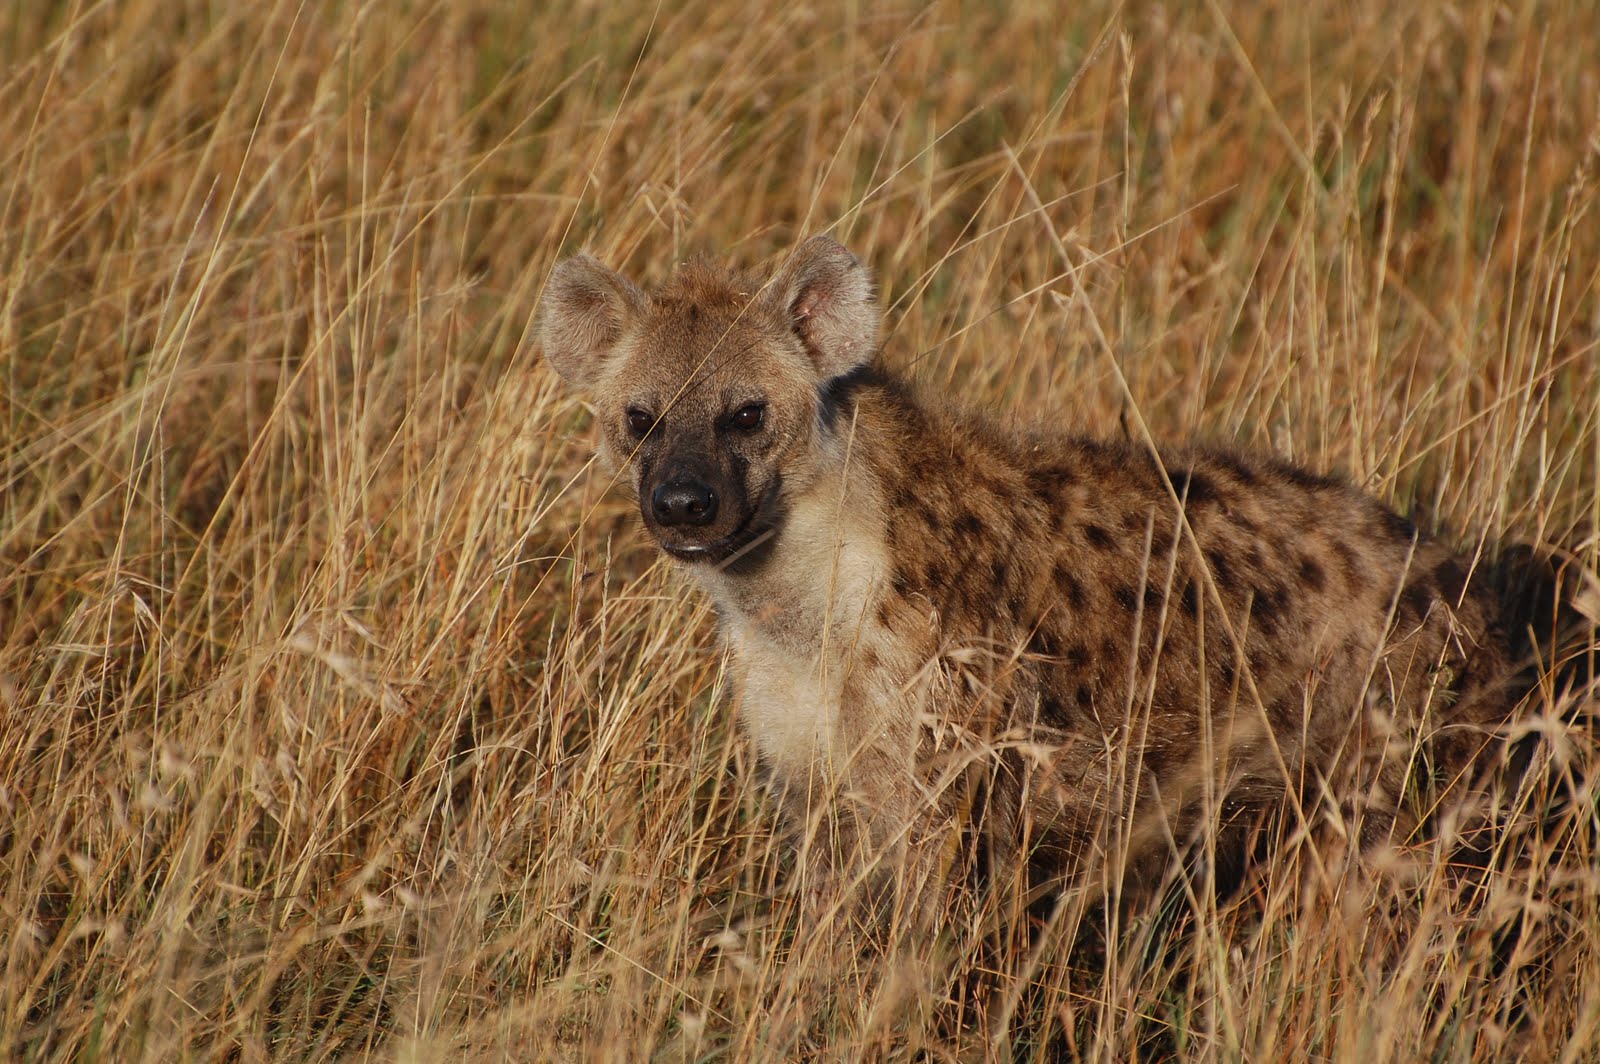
<point x="710" y="391"/>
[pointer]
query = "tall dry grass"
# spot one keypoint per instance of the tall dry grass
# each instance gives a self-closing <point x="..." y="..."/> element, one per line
<point x="346" y="714"/>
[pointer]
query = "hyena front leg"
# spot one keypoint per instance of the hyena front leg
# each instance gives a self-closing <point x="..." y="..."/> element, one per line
<point x="861" y="840"/>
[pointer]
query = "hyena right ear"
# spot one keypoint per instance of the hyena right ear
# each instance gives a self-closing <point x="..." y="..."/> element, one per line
<point x="585" y="310"/>
<point x="827" y="295"/>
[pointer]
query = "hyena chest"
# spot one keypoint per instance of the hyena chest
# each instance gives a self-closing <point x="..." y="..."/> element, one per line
<point x="791" y="707"/>
<point x="809" y="651"/>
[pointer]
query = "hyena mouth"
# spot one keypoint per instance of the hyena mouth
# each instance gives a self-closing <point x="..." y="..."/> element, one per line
<point x="728" y="549"/>
<point x="758" y="528"/>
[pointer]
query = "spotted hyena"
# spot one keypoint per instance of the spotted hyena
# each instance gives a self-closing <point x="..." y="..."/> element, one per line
<point x="1095" y="649"/>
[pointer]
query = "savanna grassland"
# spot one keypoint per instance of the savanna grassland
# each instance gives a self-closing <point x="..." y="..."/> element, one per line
<point x="345" y="713"/>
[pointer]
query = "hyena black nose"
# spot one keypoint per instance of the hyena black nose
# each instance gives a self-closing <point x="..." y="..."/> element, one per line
<point x="684" y="502"/>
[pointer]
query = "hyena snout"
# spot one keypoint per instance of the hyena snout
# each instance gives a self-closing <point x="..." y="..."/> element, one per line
<point x="697" y="511"/>
<point x="684" y="501"/>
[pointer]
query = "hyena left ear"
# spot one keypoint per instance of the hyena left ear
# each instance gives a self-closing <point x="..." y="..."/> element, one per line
<point x="585" y="310"/>
<point x="827" y="295"/>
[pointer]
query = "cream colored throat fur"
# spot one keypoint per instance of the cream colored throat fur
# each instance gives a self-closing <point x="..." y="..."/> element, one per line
<point x="794" y="637"/>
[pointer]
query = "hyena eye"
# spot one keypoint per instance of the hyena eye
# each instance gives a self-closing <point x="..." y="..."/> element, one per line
<point x="639" y="421"/>
<point x="749" y="418"/>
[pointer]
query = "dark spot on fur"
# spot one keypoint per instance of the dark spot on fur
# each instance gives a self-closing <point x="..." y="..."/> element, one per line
<point x="1221" y="568"/>
<point x="1153" y="598"/>
<point x="1126" y="598"/>
<point x="1416" y="599"/>
<point x="884" y="613"/>
<point x="1194" y="488"/>
<point x="1053" y="712"/>
<point x="969" y="524"/>
<point x="1311" y="573"/>
<point x="1397" y="526"/>
<point x="1046" y="482"/>
<point x="1110" y="651"/>
<point x="1133" y="523"/>
<point x="1267" y="608"/>
<point x="929" y="515"/>
<point x="997" y="574"/>
<point x="1084" y="696"/>
<point x="1226" y="672"/>
<point x="1098" y="537"/>
<point x="1191" y="599"/>
<point x="836" y="394"/>
<point x="1452" y="580"/>
<point x="1233" y="464"/>
<point x="1069" y="586"/>
<point x="1155" y="759"/>
<point x="901" y="582"/>
<point x="1306" y="479"/>
<point x="1043" y="643"/>
<point x="1349" y="564"/>
<point x="1076" y="656"/>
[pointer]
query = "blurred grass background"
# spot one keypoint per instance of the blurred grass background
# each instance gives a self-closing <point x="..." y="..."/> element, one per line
<point x="344" y="714"/>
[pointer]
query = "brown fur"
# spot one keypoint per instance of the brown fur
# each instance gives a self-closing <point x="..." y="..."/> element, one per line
<point x="935" y="620"/>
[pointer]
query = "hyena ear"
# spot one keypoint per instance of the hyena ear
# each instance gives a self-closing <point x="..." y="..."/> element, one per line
<point x="585" y="310"/>
<point x="827" y="295"/>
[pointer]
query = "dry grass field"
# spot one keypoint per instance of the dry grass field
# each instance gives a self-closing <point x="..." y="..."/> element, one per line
<point x="346" y="714"/>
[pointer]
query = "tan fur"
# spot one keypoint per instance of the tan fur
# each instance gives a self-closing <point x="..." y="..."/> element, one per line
<point x="937" y="622"/>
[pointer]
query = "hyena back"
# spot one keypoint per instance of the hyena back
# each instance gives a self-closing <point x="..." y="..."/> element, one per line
<point x="915" y="596"/>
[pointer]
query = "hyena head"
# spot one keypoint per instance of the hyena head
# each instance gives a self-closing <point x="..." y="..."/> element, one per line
<point x="713" y="392"/>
